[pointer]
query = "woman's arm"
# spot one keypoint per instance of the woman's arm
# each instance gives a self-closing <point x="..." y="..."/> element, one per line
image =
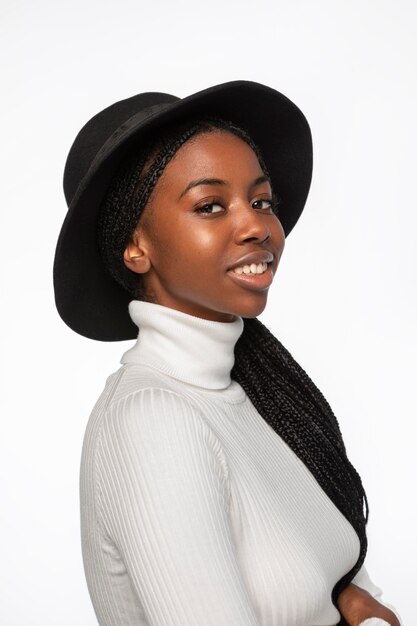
<point x="164" y="498"/>
<point x="359" y="608"/>
<point x="362" y="601"/>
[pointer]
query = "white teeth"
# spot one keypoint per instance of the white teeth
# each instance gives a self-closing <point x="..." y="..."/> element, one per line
<point x="251" y="269"/>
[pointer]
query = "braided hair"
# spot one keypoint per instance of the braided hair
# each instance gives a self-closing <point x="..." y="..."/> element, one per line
<point x="278" y="387"/>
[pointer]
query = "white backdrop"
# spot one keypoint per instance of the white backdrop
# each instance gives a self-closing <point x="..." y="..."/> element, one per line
<point x="344" y="298"/>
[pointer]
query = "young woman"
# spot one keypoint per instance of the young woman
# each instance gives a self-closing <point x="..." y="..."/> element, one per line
<point x="215" y="486"/>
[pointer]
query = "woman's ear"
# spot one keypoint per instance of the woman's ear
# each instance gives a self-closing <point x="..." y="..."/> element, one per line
<point x="135" y="256"/>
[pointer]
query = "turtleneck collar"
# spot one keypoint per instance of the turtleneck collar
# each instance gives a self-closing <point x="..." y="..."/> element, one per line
<point x="188" y="348"/>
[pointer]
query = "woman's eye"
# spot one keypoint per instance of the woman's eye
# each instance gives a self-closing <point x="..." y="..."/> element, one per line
<point x="210" y="207"/>
<point x="262" y="204"/>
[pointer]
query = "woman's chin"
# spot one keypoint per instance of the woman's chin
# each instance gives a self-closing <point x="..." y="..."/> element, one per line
<point x="252" y="307"/>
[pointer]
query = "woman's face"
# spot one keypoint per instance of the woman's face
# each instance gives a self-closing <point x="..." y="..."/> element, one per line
<point x="209" y="212"/>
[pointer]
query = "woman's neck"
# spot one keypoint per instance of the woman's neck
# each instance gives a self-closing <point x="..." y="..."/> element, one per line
<point x="188" y="348"/>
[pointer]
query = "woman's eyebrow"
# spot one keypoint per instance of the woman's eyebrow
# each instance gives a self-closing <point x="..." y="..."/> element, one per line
<point x="260" y="180"/>
<point x="202" y="181"/>
<point x="218" y="181"/>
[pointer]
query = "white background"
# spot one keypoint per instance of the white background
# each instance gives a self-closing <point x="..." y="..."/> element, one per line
<point x="344" y="298"/>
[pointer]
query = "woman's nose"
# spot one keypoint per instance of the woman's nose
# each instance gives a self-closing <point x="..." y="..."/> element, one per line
<point x="251" y="224"/>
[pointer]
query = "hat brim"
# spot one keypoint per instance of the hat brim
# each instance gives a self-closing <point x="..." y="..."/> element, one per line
<point x="91" y="302"/>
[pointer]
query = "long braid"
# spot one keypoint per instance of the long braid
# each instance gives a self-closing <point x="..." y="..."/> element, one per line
<point x="278" y="387"/>
<point x="294" y="407"/>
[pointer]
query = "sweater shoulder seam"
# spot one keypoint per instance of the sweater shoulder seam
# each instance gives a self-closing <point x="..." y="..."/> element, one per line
<point x="185" y="398"/>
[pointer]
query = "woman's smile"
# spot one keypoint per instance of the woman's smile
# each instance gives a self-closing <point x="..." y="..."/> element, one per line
<point x="252" y="279"/>
<point x="208" y="242"/>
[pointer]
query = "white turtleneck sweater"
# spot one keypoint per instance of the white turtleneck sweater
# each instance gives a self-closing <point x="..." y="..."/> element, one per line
<point x="194" y="512"/>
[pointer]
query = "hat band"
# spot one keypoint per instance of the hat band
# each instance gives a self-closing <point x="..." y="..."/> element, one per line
<point x="117" y="138"/>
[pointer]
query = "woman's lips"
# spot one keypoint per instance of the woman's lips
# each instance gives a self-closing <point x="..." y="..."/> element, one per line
<point x="256" y="282"/>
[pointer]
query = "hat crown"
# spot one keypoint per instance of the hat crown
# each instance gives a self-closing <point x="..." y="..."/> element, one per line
<point x="98" y="130"/>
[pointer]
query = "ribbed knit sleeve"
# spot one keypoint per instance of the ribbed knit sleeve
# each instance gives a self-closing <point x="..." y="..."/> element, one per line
<point x="162" y="496"/>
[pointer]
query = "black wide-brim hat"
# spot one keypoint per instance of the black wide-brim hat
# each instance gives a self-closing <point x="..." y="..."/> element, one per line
<point x="87" y="298"/>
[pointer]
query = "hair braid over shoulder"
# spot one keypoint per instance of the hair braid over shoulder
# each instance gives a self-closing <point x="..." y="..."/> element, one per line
<point x="295" y="408"/>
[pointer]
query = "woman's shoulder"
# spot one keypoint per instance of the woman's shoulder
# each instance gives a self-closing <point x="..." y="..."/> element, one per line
<point x="138" y="390"/>
<point x="141" y="406"/>
<point x="139" y="399"/>
<point x="135" y="380"/>
<point x="129" y="387"/>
